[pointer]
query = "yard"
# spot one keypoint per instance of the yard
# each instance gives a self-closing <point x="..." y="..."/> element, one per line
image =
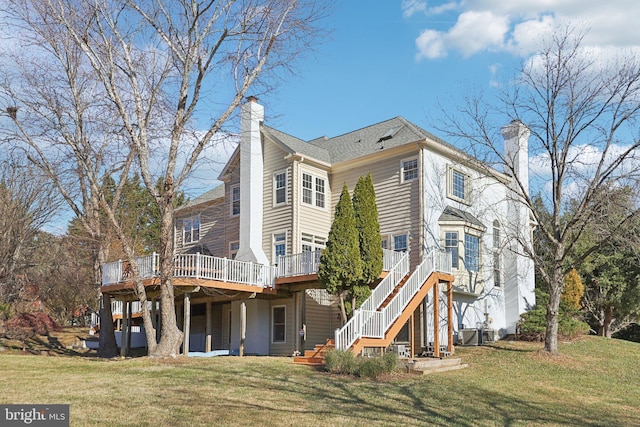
<point x="595" y="382"/>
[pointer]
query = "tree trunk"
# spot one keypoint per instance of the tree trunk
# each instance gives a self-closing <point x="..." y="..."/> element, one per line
<point x="606" y="325"/>
<point x="553" y="307"/>
<point x="170" y="336"/>
<point x="107" y="347"/>
<point x="343" y="311"/>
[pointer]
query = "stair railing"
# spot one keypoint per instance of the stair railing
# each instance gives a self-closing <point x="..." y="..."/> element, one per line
<point x="375" y="323"/>
<point x="352" y="330"/>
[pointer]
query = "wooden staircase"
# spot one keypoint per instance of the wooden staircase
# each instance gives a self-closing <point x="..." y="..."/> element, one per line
<point x="315" y="357"/>
<point x="397" y="325"/>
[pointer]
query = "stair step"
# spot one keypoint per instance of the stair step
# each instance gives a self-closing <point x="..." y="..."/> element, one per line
<point x="310" y="361"/>
<point x="443" y="369"/>
<point x="434" y="363"/>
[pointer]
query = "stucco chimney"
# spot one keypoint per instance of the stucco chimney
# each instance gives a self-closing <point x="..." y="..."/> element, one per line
<point x="251" y="183"/>
<point x="518" y="268"/>
<point x="516" y="152"/>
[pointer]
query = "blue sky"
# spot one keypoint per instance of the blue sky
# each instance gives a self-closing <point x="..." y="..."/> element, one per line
<point x="390" y="58"/>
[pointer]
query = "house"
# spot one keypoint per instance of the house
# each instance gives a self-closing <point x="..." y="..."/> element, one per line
<point x="445" y="220"/>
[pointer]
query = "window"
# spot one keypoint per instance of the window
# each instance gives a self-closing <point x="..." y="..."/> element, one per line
<point x="409" y="170"/>
<point x="191" y="230"/>
<point x="279" y="245"/>
<point x="312" y="243"/>
<point x="280" y="188"/>
<point x="400" y="243"/>
<point x="313" y="190"/>
<point x="385" y="243"/>
<point x="235" y="200"/>
<point x="457" y="185"/>
<point x="451" y="246"/>
<point x="278" y="324"/>
<point x="233" y="249"/>
<point x="471" y="252"/>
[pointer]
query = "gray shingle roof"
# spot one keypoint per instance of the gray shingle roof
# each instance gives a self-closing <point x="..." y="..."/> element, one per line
<point x="371" y="139"/>
<point x="453" y="214"/>
<point x="296" y="145"/>
<point x="211" y="195"/>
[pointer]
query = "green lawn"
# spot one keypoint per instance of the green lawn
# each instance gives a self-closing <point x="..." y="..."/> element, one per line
<point x="596" y="382"/>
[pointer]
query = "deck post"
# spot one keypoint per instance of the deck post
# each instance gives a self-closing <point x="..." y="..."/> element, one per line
<point x="187" y="322"/>
<point x="129" y="322"/>
<point x="436" y="321"/>
<point x="243" y="326"/>
<point x="412" y="337"/>
<point x="207" y="345"/>
<point x="123" y="330"/>
<point x="450" y="316"/>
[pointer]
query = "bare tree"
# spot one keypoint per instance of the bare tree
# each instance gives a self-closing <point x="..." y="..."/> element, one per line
<point x="581" y="110"/>
<point x="26" y="204"/>
<point x="173" y="73"/>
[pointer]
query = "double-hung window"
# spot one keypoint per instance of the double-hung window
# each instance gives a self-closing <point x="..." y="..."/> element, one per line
<point x="313" y="190"/>
<point x="458" y="185"/>
<point x="279" y="245"/>
<point x="278" y="324"/>
<point x="409" y="170"/>
<point x="471" y="252"/>
<point x="280" y="188"/>
<point x="451" y="246"/>
<point x="235" y="200"/>
<point x="191" y="229"/>
<point x="400" y="243"/>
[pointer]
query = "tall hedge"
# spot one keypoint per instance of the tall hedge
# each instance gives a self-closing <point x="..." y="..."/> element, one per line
<point x="340" y="264"/>
<point x="366" y="212"/>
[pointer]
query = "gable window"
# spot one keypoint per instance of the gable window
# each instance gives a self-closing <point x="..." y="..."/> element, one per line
<point x="191" y="229"/>
<point x="235" y="200"/>
<point x="278" y="323"/>
<point x="233" y="249"/>
<point x="313" y="190"/>
<point x="280" y="188"/>
<point x="400" y="243"/>
<point x="451" y="246"/>
<point x="409" y="170"/>
<point x="458" y="185"/>
<point x="279" y="245"/>
<point x="471" y="252"/>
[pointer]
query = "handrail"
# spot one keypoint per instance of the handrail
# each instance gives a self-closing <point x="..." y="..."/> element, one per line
<point x="352" y="330"/>
<point x="375" y="323"/>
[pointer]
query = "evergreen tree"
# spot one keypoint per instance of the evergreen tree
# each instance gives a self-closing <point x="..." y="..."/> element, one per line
<point x="340" y="264"/>
<point x="366" y="214"/>
<point x="573" y="290"/>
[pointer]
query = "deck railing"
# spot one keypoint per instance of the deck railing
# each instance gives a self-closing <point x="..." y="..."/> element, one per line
<point x="195" y="266"/>
<point x="200" y="266"/>
<point x="374" y="323"/>
<point x="299" y="264"/>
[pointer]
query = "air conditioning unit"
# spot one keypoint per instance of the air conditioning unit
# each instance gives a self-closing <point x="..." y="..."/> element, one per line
<point x="488" y="335"/>
<point x="470" y="337"/>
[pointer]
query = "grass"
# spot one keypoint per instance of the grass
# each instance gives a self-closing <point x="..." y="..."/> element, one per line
<point x="595" y="382"/>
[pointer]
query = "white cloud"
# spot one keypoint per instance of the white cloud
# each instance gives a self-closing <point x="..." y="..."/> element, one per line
<point x="409" y="7"/>
<point x="517" y="27"/>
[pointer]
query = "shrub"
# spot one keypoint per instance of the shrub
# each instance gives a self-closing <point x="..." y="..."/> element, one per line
<point x="533" y="325"/>
<point x="346" y="363"/>
<point x="26" y="325"/>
